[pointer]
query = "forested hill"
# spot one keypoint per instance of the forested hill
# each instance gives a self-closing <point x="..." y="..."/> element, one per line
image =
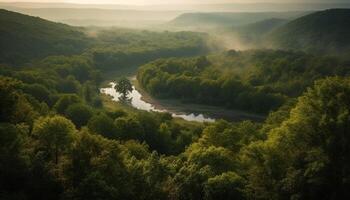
<point x="325" y="31"/>
<point x="251" y="34"/>
<point x="23" y="37"/>
<point x="207" y="20"/>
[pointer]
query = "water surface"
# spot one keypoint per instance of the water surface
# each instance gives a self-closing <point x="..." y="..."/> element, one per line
<point x="138" y="102"/>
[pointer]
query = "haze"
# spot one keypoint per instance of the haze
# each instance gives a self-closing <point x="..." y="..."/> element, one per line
<point x="149" y="2"/>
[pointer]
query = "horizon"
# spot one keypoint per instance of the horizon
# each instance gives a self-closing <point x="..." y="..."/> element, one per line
<point x="171" y="2"/>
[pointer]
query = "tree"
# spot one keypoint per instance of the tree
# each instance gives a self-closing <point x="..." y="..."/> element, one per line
<point x="13" y="168"/>
<point x="65" y="101"/>
<point x="225" y="186"/>
<point x="80" y="114"/>
<point x="40" y="92"/>
<point x="54" y="134"/>
<point x="69" y="85"/>
<point x="102" y="124"/>
<point x="8" y="97"/>
<point x="129" y="128"/>
<point x="201" y="164"/>
<point x="96" y="170"/>
<point x="124" y="87"/>
<point x="307" y="155"/>
<point x="202" y="62"/>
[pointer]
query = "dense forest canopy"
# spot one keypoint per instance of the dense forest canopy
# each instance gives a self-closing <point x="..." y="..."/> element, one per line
<point x="28" y="38"/>
<point x="133" y="47"/>
<point x="321" y="32"/>
<point x="256" y="80"/>
<point x="228" y="19"/>
<point x="61" y="139"/>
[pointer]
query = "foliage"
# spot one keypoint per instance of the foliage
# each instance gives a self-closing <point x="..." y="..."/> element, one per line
<point x="80" y="114"/>
<point x="54" y="134"/>
<point x="57" y="142"/>
<point x="256" y="80"/>
<point x="120" y="48"/>
<point x="28" y="37"/>
<point x="124" y="87"/>
<point x="321" y="32"/>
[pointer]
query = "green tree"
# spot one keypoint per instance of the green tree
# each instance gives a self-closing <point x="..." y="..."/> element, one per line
<point x="225" y="186"/>
<point x="96" y="170"/>
<point x="124" y="87"/>
<point x="306" y="156"/>
<point x="202" y="62"/>
<point x="80" y="114"/>
<point x="55" y="134"/>
<point x="65" y="101"/>
<point x="102" y="124"/>
<point x="129" y="128"/>
<point x="8" y="97"/>
<point x="13" y="166"/>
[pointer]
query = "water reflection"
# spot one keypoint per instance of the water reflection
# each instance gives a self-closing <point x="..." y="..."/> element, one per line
<point x="136" y="101"/>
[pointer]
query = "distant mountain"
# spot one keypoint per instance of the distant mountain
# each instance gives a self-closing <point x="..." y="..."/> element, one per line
<point x="23" y="37"/>
<point x="214" y="20"/>
<point x="198" y="7"/>
<point x="325" y="32"/>
<point x="255" y="31"/>
<point x="262" y="27"/>
<point x="100" y="17"/>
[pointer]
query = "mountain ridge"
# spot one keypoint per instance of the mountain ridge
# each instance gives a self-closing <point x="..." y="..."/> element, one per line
<point x="24" y="37"/>
<point x="325" y="32"/>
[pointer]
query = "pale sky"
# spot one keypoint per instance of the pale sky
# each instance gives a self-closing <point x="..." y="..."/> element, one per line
<point x="147" y="2"/>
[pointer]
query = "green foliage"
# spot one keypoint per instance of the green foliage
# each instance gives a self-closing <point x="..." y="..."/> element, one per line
<point x="219" y="20"/>
<point x="102" y="124"/>
<point x="54" y="134"/>
<point x="322" y="32"/>
<point x="13" y="167"/>
<point x="8" y="97"/>
<point x="96" y="170"/>
<point x="125" y="48"/>
<point x="257" y="80"/>
<point x="15" y="107"/>
<point x="40" y="92"/>
<point x="253" y="34"/>
<point x="225" y="186"/>
<point x="80" y="114"/>
<point x="307" y="152"/>
<point x="124" y="87"/>
<point x="27" y="37"/>
<point x="301" y="151"/>
<point x="65" y="101"/>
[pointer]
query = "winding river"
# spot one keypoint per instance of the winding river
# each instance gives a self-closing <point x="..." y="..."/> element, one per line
<point x="138" y="102"/>
<point x="189" y="112"/>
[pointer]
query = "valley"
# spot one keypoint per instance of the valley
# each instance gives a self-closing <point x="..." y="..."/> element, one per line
<point x="174" y="101"/>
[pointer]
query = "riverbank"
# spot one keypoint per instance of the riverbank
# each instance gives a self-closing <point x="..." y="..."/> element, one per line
<point x="176" y="106"/>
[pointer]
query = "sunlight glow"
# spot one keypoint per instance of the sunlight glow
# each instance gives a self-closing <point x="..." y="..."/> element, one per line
<point x="150" y="2"/>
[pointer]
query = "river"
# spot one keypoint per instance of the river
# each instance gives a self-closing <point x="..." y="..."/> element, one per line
<point x="138" y="102"/>
<point x="189" y="112"/>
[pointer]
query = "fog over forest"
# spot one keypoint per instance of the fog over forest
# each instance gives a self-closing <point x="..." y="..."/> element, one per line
<point x="174" y="100"/>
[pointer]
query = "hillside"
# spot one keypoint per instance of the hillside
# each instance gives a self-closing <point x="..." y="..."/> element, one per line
<point x="256" y="81"/>
<point x="23" y="37"/>
<point x="228" y="19"/>
<point x="325" y="32"/>
<point x="251" y="34"/>
<point x="261" y="27"/>
<point x="100" y="17"/>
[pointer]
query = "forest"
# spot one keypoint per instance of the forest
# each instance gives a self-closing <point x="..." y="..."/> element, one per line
<point x="61" y="139"/>
<point x="256" y="80"/>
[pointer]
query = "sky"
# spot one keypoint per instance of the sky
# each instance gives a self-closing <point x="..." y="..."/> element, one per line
<point x="149" y="2"/>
